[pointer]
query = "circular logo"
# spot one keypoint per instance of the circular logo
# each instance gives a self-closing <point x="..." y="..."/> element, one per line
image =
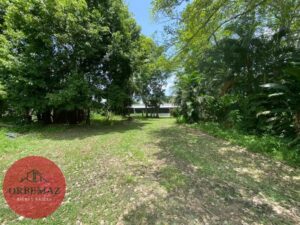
<point x="34" y="187"/>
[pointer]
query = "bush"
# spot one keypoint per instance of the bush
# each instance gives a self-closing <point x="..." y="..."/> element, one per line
<point x="3" y="101"/>
<point x="175" y="112"/>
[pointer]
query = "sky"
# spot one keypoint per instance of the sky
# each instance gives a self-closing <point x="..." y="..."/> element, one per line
<point x="141" y="11"/>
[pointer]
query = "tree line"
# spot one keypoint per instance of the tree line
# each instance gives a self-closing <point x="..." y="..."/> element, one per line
<point x="60" y="60"/>
<point x="239" y="63"/>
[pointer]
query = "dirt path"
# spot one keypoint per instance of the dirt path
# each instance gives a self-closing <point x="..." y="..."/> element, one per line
<point x="197" y="179"/>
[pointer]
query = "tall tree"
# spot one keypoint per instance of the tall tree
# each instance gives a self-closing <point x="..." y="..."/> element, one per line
<point x="60" y="58"/>
<point x="151" y="74"/>
<point x="239" y="59"/>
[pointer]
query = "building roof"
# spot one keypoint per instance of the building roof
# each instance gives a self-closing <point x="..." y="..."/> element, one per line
<point x="163" y="106"/>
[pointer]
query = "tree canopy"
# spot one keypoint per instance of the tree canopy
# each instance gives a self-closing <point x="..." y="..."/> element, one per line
<point x="238" y="62"/>
<point x="152" y="71"/>
<point x="59" y="59"/>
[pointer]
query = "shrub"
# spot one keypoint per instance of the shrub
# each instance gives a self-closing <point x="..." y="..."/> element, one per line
<point x="3" y="101"/>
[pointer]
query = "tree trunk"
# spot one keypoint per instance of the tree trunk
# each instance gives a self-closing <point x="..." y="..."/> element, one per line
<point x="47" y="117"/>
<point x="88" y="117"/>
<point x="72" y="117"/>
<point x="146" y="110"/>
<point x="28" y="116"/>
<point x="60" y="116"/>
<point x="297" y="122"/>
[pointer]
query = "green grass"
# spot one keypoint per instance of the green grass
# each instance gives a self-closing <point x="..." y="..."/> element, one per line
<point x="153" y="171"/>
<point x="275" y="147"/>
<point x="172" y="178"/>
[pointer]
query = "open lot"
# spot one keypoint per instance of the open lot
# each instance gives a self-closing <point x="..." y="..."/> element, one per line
<point x="154" y="171"/>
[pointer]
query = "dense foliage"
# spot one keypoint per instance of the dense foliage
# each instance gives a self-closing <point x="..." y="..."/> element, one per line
<point x="60" y="59"/>
<point x="3" y="100"/>
<point x="239" y="62"/>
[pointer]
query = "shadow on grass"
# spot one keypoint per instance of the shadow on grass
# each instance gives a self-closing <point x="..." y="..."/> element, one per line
<point x="70" y="132"/>
<point x="204" y="180"/>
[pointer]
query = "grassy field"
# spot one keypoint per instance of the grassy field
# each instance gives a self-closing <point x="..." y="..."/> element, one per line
<point x="154" y="172"/>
